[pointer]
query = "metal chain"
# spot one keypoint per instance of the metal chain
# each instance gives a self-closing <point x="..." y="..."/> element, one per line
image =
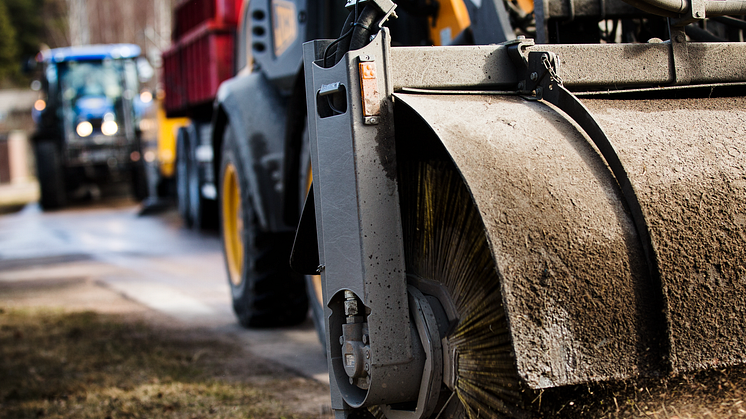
<point x="548" y="66"/>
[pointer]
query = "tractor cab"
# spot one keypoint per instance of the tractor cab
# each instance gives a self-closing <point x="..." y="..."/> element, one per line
<point x="88" y="124"/>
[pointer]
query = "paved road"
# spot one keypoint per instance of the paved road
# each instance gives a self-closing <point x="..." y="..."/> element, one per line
<point x="150" y="259"/>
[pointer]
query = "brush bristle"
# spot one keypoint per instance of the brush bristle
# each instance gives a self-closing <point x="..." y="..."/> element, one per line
<point x="444" y="241"/>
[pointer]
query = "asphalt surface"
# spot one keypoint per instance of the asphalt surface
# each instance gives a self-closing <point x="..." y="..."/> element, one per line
<point x="152" y="260"/>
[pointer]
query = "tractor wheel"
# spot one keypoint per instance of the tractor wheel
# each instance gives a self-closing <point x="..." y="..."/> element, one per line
<point x="182" y="176"/>
<point x="51" y="175"/>
<point x="199" y="212"/>
<point x="445" y="244"/>
<point x="139" y="181"/>
<point x="203" y="211"/>
<point x="138" y="176"/>
<point x="265" y="291"/>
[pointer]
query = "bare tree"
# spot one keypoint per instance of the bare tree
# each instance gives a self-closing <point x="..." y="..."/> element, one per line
<point x="56" y="29"/>
<point x="114" y="21"/>
<point x="79" y="18"/>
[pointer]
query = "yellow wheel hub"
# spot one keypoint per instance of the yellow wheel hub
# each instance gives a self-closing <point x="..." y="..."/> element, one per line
<point x="232" y="223"/>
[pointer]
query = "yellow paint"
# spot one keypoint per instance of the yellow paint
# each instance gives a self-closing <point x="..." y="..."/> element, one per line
<point x="526" y="5"/>
<point x="232" y="224"/>
<point x="285" y="28"/>
<point x="167" y="128"/>
<point x="453" y="18"/>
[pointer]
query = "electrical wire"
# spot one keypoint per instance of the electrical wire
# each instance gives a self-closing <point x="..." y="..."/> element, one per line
<point x="334" y="43"/>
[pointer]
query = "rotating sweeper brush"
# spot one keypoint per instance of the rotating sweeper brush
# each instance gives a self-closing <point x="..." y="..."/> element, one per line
<point x="488" y="226"/>
<point x="445" y="247"/>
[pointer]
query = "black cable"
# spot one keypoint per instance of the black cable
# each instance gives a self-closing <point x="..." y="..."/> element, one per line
<point x="333" y="43"/>
<point x="342" y="40"/>
<point x="330" y="102"/>
<point x="361" y="27"/>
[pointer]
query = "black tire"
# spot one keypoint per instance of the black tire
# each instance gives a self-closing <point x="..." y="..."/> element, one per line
<point x="264" y="290"/>
<point x="139" y="178"/>
<point x="202" y="212"/>
<point x="50" y="173"/>
<point x="193" y="183"/>
<point x="181" y="175"/>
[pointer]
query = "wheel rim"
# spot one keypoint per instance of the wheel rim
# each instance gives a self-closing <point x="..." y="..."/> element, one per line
<point x="232" y="224"/>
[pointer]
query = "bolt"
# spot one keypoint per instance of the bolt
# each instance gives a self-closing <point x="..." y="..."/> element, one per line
<point x="521" y="85"/>
<point x="534" y="76"/>
<point x="350" y="304"/>
<point x="352" y="381"/>
<point x="698" y="14"/>
<point x="341" y="340"/>
<point x="365" y="57"/>
<point x="365" y="339"/>
<point x="367" y="367"/>
<point x="521" y="37"/>
<point x="367" y="354"/>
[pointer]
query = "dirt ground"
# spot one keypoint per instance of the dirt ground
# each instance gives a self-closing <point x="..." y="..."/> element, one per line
<point x="223" y="380"/>
<point x="39" y="320"/>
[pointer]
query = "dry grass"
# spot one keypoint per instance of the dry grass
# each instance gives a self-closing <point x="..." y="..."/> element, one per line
<point x="717" y="393"/>
<point x="90" y="365"/>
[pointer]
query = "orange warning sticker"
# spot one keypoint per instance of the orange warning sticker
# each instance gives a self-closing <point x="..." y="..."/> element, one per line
<point x="369" y="89"/>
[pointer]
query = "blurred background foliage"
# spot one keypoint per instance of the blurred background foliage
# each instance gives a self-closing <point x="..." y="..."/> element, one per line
<point x="27" y="26"/>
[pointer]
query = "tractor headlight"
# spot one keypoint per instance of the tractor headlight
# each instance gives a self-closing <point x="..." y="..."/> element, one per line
<point x="109" y="128"/>
<point x="84" y="129"/>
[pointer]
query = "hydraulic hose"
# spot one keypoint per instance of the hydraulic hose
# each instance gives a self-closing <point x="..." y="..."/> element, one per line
<point x="701" y="35"/>
<point x="669" y="7"/>
<point x="727" y="7"/>
<point x="343" y="42"/>
<point x="645" y="6"/>
<point x="361" y="32"/>
<point x="731" y="21"/>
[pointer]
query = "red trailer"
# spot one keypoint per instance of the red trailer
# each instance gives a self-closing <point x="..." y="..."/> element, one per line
<point x="200" y="58"/>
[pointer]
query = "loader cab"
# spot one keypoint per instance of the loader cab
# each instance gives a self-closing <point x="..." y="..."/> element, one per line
<point x="273" y="31"/>
<point x="271" y="34"/>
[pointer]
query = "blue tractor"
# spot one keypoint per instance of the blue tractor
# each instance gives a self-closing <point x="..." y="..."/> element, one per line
<point x="88" y="128"/>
